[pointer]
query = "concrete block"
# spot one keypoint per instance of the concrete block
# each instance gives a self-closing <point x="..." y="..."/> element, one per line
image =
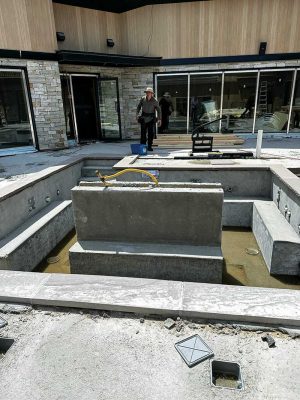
<point x="140" y="215"/>
<point x="237" y="212"/>
<point x="26" y="247"/>
<point x="147" y="260"/>
<point x="277" y="240"/>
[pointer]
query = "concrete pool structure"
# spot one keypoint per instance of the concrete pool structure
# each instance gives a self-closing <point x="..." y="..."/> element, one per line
<point x="145" y="232"/>
<point x="216" y="308"/>
<point x="245" y="183"/>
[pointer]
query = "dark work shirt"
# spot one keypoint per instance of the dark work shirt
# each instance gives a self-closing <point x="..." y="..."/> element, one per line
<point x="149" y="107"/>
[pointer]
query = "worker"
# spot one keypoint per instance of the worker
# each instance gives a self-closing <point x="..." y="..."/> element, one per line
<point x="149" y="106"/>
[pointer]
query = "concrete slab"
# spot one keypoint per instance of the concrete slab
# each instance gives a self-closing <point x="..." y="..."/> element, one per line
<point x="268" y="306"/>
<point x="20" y="286"/>
<point x="207" y="301"/>
<point x="110" y="293"/>
<point x="69" y="355"/>
<point x="148" y="260"/>
<point x="277" y="240"/>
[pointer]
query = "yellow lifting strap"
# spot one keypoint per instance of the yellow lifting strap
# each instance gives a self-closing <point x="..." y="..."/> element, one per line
<point x="104" y="178"/>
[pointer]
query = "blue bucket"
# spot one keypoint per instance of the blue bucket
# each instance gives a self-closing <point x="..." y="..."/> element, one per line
<point x="140" y="149"/>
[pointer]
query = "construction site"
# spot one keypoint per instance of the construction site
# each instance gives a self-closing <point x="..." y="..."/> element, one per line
<point x="149" y="199"/>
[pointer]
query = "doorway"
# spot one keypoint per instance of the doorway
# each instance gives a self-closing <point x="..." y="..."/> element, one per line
<point x="85" y="94"/>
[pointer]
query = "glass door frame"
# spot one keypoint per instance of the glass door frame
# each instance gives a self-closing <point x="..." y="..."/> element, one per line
<point x="291" y="95"/>
<point x="244" y="71"/>
<point x="221" y="94"/>
<point x="28" y="101"/>
<point x="187" y="91"/>
<point x="118" y="111"/>
<point x="223" y="72"/>
<point x="69" y="76"/>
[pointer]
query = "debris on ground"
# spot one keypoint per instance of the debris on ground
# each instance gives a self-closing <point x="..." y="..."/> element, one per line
<point x="142" y="320"/>
<point x="105" y="315"/>
<point x="169" y="323"/>
<point x="179" y="326"/>
<point x="14" y="308"/>
<point x="3" y="323"/>
<point x="293" y="333"/>
<point x="253" y="328"/>
<point x="268" y="338"/>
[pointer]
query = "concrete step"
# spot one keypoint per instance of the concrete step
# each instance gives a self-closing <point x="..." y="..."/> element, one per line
<point x="148" y="260"/>
<point x="277" y="240"/>
<point x="107" y="162"/>
<point x="90" y="170"/>
<point x="26" y="246"/>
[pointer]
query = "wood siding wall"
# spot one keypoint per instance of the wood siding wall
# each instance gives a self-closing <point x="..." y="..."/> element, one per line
<point x="87" y="30"/>
<point x="196" y="29"/>
<point x="27" y="25"/>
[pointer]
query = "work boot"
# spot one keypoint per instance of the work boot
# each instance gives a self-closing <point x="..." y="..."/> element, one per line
<point x="150" y="148"/>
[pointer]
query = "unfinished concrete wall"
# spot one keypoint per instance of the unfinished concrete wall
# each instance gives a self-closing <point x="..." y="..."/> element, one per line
<point x="286" y="195"/>
<point x="169" y="232"/>
<point x="159" y="215"/>
<point x="24" y="203"/>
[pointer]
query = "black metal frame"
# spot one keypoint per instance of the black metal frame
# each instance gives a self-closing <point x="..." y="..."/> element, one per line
<point x="119" y="112"/>
<point x="31" y="110"/>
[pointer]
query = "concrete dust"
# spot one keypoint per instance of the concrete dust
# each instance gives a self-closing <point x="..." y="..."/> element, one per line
<point x="67" y="353"/>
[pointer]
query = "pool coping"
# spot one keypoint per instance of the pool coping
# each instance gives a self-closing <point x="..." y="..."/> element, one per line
<point x="148" y="296"/>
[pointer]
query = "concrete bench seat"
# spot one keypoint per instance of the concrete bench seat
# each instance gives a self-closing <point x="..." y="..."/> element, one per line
<point x="25" y="247"/>
<point x="148" y="260"/>
<point x="237" y="211"/>
<point x="279" y="243"/>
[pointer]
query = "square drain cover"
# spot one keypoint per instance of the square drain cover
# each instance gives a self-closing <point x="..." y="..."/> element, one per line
<point x="193" y="350"/>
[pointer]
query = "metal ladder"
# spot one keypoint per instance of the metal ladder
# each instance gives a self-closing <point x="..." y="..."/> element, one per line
<point x="263" y="97"/>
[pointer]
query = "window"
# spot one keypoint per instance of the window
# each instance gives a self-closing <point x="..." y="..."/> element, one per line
<point x="15" y="126"/>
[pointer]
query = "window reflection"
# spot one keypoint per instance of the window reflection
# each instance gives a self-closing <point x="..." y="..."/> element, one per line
<point x="273" y="102"/>
<point x="295" y="115"/>
<point x="205" y="101"/>
<point x="172" y="97"/>
<point x="15" y="129"/>
<point x="67" y="103"/>
<point x="239" y="101"/>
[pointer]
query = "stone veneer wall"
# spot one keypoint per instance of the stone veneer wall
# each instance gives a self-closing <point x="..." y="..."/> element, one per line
<point x="46" y="95"/>
<point x="45" y="91"/>
<point x="133" y="81"/>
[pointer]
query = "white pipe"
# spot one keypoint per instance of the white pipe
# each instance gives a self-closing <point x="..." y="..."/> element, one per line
<point x="259" y="142"/>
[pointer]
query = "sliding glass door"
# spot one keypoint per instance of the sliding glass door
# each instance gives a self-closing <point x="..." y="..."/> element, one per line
<point x="245" y="100"/>
<point x="205" y="101"/>
<point x="239" y="97"/>
<point x="172" y="94"/>
<point x="273" y="101"/>
<point x="91" y="107"/>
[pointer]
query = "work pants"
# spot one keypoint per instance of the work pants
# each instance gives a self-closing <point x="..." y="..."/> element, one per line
<point x="147" y="127"/>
